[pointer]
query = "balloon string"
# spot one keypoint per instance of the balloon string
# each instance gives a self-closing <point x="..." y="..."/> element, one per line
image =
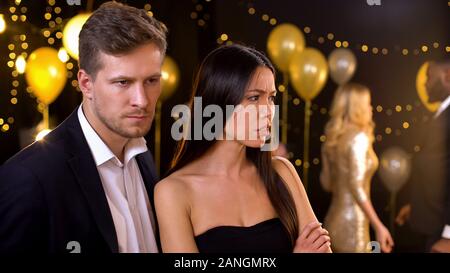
<point x="392" y="214"/>
<point x="306" y="144"/>
<point x="45" y="117"/>
<point x="284" y="124"/>
<point x="158" y="136"/>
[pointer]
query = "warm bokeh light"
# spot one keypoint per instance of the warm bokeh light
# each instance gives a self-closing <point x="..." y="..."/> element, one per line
<point x="71" y="32"/>
<point x="62" y="55"/>
<point x="2" y="24"/>
<point x="21" y="64"/>
<point x="170" y="75"/>
<point x="5" y="127"/>
<point x="42" y="134"/>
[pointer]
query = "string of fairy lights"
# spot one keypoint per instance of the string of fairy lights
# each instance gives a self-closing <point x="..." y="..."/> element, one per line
<point x="199" y="14"/>
<point x="19" y="45"/>
<point x="388" y="131"/>
<point x="17" y="53"/>
<point x="364" y="47"/>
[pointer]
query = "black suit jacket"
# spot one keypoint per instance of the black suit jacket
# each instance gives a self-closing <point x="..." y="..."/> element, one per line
<point x="51" y="194"/>
<point x="430" y="189"/>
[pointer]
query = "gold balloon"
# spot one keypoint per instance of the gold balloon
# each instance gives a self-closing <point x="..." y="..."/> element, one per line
<point x="308" y="73"/>
<point x="71" y="31"/>
<point x="342" y="65"/>
<point x="421" y="79"/>
<point x="45" y="74"/>
<point x="170" y="75"/>
<point x="284" y="41"/>
<point x="395" y="168"/>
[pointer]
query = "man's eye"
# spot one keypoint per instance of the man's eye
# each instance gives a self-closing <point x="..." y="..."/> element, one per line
<point x="153" y="81"/>
<point x="122" y="82"/>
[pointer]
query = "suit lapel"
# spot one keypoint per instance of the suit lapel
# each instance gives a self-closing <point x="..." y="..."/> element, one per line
<point x="86" y="173"/>
<point x="148" y="172"/>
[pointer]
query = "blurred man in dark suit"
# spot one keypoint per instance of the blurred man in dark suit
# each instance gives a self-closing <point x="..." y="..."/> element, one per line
<point x="428" y="210"/>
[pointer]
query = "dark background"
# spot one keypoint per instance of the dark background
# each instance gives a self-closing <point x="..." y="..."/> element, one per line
<point x="194" y="28"/>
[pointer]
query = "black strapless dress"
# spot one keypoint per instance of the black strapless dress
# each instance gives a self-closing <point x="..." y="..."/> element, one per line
<point x="269" y="236"/>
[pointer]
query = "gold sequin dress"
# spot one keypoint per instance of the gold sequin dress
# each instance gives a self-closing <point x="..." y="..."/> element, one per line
<point x="348" y="176"/>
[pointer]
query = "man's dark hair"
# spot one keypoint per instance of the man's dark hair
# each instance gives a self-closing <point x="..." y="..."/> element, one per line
<point x="116" y="29"/>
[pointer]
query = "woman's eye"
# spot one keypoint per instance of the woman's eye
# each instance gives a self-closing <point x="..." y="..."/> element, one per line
<point x="272" y="98"/>
<point x="253" y="98"/>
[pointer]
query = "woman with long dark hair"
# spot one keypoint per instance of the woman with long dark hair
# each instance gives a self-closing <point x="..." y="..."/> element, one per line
<point x="227" y="194"/>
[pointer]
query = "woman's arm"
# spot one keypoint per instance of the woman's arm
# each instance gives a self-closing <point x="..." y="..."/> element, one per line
<point x="312" y="238"/>
<point x="357" y="166"/>
<point x="173" y="214"/>
<point x="325" y="180"/>
<point x="289" y="175"/>
<point x="357" y="154"/>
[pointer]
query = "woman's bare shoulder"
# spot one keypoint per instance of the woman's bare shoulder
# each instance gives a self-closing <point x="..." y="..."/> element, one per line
<point x="282" y="165"/>
<point x="286" y="171"/>
<point x="172" y="187"/>
<point x="179" y="184"/>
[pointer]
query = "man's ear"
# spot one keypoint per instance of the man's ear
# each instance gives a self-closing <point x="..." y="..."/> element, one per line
<point x="85" y="82"/>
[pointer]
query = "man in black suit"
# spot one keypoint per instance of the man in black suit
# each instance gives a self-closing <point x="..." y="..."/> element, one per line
<point x="88" y="186"/>
<point x="429" y="207"/>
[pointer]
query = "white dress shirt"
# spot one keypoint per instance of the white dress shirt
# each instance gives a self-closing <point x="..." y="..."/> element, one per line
<point x="125" y="191"/>
<point x="444" y="105"/>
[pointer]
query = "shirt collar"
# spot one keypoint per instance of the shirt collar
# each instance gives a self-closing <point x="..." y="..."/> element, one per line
<point x="134" y="147"/>
<point x="444" y="105"/>
<point x="100" y="151"/>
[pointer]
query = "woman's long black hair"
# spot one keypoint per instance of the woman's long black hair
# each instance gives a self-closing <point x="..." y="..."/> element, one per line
<point x="222" y="79"/>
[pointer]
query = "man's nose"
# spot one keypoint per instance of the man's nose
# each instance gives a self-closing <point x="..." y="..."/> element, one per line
<point x="139" y="97"/>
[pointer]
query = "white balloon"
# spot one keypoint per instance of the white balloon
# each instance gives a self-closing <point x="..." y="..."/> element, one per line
<point x="342" y="64"/>
<point x="395" y="168"/>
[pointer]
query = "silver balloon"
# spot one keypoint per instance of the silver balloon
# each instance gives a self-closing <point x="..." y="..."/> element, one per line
<point x="395" y="168"/>
<point x="342" y="64"/>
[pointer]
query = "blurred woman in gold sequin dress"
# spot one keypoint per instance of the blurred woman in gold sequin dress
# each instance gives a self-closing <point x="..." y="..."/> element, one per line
<point x="349" y="163"/>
